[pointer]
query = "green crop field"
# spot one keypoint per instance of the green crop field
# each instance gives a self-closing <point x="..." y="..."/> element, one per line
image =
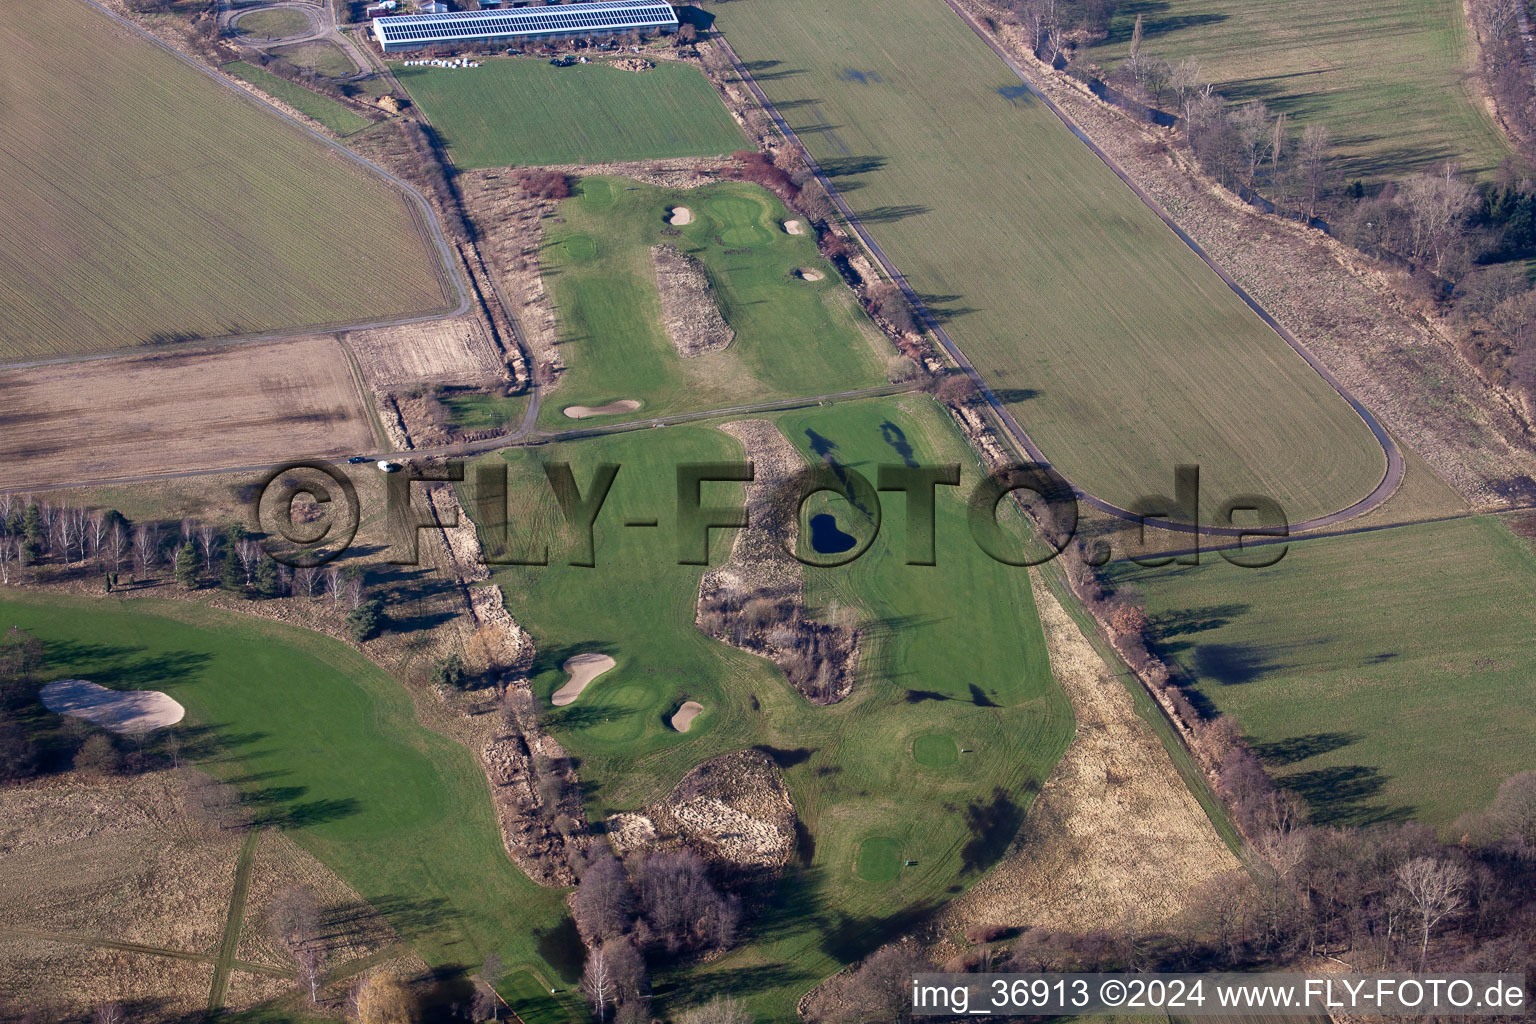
<point x="525" y="112"/>
<point x="1381" y="675"/>
<point x="1115" y="346"/>
<point x="326" y="745"/>
<point x="338" y="117"/>
<point x="142" y="202"/>
<point x="951" y="652"/>
<point x="793" y="337"/>
<point x="1390" y="78"/>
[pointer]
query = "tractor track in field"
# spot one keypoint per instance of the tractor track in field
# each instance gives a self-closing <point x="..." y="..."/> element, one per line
<point x="1395" y="465"/>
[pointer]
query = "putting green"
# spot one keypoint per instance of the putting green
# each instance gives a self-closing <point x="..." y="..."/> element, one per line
<point x="935" y="750"/>
<point x="580" y="248"/>
<point x="878" y="860"/>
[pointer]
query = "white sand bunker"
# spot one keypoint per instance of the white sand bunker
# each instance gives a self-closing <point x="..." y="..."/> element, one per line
<point x="681" y="215"/>
<point x="810" y="274"/>
<point x="794" y="227"/>
<point x="583" y="668"/>
<point x="581" y="412"/>
<point x="686" y="714"/>
<point x="117" y="710"/>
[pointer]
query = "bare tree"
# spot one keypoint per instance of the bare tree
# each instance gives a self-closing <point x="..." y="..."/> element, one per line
<point x="1438" y="206"/>
<point x="9" y="552"/>
<point x="1513" y="812"/>
<point x="1134" y="57"/>
<point x="207" y="542"/>
<point x="146" y="547"/>
<point x="295" y="923"/>
<point x="1254" y="132"/>
<point x="719" y="1010"/>
<point x="1312" y="162"/>
<point x="249" y="552"/>
<point x="98" y="533"/>
<point x="604" y="902"/>
<point x="117" y="546"/>
<point x="334" y="584"/>
<point x="108" y="1012"/>
<point x="597" y="983"/>
<point x="1436" y="889"/>
<point x="306" y="578"/>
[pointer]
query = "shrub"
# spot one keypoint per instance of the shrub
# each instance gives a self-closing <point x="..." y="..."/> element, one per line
<point x="364" y="621"/>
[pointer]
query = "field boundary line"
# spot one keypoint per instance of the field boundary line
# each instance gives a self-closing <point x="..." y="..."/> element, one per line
<point x="1395" y="465"/>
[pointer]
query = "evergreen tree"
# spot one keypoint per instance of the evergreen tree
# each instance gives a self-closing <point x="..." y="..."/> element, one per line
<point x="364" y="620"/>
<point x="187" y="565"/>
<point x="268" y="583"/>
<point x="32" y="525"/>
<point x="231" y="575"/>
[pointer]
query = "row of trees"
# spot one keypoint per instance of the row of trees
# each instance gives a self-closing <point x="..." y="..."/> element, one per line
<point x="670" y="905"/>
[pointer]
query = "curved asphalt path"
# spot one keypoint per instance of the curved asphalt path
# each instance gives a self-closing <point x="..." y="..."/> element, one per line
<point x="1378" y="495"/>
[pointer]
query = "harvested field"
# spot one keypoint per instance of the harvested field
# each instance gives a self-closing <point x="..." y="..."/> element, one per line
<point x="688" y="308"/>
<point x="119" y="418"/>
<point x="126" y="711"/>
<point x="1114" y="836"/>
<point x="583" y="668"/>
<point x="523" y="112"/>
<point x="685" y="715"/>
<point x="456" y="351"/>
<point x="65" y="980"/>
<point x="152" y="203"/>
<point x="581" y="412"/>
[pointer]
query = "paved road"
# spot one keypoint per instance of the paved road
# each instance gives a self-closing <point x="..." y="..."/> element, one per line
<point x="1394" y="460"/>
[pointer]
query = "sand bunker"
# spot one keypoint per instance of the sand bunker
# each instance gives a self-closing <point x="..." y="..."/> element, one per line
<point x="117" y="710"/>
<point x="686" y="714"/>
<point x="681" y="215"/>
<point x="794" y="227"/>
<point x="810" y="274"/>
<point x="583" y="668"/>
<point x="581" y="412"/>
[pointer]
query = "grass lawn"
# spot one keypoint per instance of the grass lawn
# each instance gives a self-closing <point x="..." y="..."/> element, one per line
<point x="962" y="634"/>
<point x="524" y="111"/>
<point x="274" y="24"/>
<point x="142" y="202"/>
<point x="1381" y="675"/>
<point x="322" y="58"/>
<point x="338" y="117"/>
<point x="1115" y="346"/>
<point x="1390" y="78"/>
<point x="793" y="337"/>
<point x="328" y="745"/>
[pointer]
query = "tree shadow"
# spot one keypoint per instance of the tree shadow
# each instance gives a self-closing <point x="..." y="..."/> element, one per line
<point x="1184" y="621"/>
<point x="1232" y="664"/>
<point x="1299" y="748"/>
<point x="784" y="757"/>
<point x="981" y="698"/>
<point x="844" y="166"/>
<point x="1010" y="395"/>
<point x="561" y="948"/>
<point x="992" y="826"/>
<point x="891" y="214"/>
<point x="1338" y="795"/>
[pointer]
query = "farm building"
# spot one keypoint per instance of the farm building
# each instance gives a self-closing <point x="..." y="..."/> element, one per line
<point x="569" y="21"/>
